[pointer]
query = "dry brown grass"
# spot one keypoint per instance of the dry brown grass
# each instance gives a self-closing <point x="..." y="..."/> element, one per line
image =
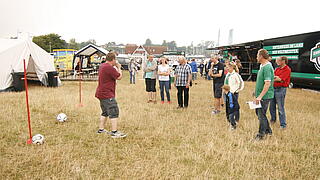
<point x="162" y="142"/>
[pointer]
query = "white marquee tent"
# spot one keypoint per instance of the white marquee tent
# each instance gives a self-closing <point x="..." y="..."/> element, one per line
<point x="12" y="53"/>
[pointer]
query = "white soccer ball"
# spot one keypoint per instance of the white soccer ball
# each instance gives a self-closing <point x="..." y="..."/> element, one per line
<point x="62" y="117"/>
<point x="38" y="139"/>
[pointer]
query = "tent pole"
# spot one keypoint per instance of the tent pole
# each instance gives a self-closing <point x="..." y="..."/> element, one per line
<point x="29" y="141"/>
<point x="80" y="82"/>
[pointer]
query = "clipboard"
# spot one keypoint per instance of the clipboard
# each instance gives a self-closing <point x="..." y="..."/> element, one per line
<point x="253" y="105"/>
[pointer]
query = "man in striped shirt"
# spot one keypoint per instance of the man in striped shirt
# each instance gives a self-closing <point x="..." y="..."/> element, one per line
<point x="183" y="75"/>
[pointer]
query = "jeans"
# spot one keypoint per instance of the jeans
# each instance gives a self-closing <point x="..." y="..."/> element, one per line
<point x="185" y="91"/>
<point x="279" y="98"/>
<point x="132" y="77"/>
<point x="164" y="85"/>
<point x="233" y="117"/>
<point x="208" y="77"/>
<point x="262" y="116"/>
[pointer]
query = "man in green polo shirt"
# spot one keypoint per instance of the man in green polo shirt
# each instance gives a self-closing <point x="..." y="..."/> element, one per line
<point x="264" y="92"/>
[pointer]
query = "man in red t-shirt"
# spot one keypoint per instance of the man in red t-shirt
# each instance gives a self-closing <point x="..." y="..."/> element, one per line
<point x="281" y="82"/>
<point x="109" y="72"/>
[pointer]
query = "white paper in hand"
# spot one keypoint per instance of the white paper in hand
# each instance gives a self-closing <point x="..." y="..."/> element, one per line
<point x="253" y="105"/>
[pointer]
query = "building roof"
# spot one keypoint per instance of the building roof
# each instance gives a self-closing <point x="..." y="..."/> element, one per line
<point x="131" y="48"/>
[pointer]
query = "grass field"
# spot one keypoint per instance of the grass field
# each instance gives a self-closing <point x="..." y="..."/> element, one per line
<point x="162" y="142"/>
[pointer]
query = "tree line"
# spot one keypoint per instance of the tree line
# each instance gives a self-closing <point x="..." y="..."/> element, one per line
<point x="52" y="41"/>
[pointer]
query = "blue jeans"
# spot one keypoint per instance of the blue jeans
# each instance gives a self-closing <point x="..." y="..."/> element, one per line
<point x="208" y="77"/>
<point x="278" y="100"/>
<point x="164" y="85"/>
<point x="132" y="77"/>
<point x="262" y="116"/>
<point x="234" y="117"/>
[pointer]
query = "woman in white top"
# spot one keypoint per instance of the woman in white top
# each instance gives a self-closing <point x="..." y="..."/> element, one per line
<point x="234" y="80"/>
<point x="164" y="79"/>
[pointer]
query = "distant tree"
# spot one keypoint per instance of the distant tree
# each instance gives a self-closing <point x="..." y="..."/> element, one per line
<point x="92" y="41"/>
<point x="148" y="42"/>
<point x="49" y="42"/>
<point x="172" y="46"/>
<point x="73" y="44"/>
<point x="85" y="43"/>
<point x="164" y="43"/>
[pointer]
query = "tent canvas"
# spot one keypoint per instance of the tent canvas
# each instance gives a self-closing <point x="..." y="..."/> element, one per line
<point x="12" y="53"/>
<point x="86" y="52"/>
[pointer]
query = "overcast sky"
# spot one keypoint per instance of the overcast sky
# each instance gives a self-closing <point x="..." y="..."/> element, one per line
<point x="133" y="21"/>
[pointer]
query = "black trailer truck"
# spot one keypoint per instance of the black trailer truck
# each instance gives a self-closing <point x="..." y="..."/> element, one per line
<point x="302" y="50"/>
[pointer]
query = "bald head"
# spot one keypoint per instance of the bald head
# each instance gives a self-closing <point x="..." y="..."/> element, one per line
<point x="182" y="60"/>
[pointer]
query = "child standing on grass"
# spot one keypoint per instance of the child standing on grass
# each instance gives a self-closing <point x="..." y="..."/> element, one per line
<point x="232" y="107"/>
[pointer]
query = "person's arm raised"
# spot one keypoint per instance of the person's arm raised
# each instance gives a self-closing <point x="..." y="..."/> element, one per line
<point x="118" y="68"/>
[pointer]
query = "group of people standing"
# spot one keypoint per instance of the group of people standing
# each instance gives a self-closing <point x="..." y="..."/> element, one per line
<point x="162" y="72"/>
<point x="270" y="88"/>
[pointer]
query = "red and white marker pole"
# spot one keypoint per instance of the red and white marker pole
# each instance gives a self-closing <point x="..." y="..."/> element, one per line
<point x="29" y="141"/>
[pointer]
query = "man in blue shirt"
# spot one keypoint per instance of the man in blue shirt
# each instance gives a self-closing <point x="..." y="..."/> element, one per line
<point x="194" y="69"/>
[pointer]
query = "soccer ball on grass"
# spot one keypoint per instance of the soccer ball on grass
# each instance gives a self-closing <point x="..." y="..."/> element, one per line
<point x="38" y="139"/>
<point x="62" y="117"/>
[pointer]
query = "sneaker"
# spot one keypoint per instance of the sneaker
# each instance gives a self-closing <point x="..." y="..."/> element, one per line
<point x="169" y="102"/>
<point x="117" y="134"/>
<point x="179" y="107"/>
<point x="269" y="132"/>
<point x="258" y="137"/>
<point x="283" y="127"/>
<point x="233" y="128"/>
<point x="162" y="102"/>
<point x="215" y="112"/>
<point x="100" y="131"/>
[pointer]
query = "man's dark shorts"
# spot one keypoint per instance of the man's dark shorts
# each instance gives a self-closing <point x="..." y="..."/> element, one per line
<point x="217" y="90"/>
<point x="109" y="108"/>
<point x="150" y="85"/>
